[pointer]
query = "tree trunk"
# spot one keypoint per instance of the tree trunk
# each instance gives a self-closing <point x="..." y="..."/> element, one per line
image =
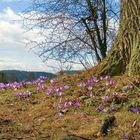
<point x="124" y="56"/>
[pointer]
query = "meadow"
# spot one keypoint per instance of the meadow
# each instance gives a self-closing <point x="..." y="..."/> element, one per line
<point x="81" y="107"/>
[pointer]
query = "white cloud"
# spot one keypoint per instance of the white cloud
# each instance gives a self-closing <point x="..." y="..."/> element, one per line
<point x="13" y="41"/>
<point x="7" y="63"/>
<point x="12" y="30"/>
<point x="11" y="63"/>
<point x="14" y="36"/>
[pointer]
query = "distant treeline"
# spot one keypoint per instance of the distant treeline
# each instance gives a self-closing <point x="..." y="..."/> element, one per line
<point x="7" y="76"/>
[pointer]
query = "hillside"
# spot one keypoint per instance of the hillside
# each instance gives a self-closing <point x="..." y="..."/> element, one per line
<point x="24" y="75"/>
<point x="77" y="107"/>
<point x="17" y="75"/>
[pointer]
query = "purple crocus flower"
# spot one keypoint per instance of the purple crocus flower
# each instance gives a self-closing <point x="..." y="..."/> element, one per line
<point x="78" y="104"/>
<point x="60" y="88"/>
<point x="90" y="94"/>
<point x="89" y="88"/>
<point x="58" y="106"/>
<point x="94" y="78"/>
<point x="100" y="107"/>
<point x="110" y="83"/>
<point x="27" y="93"/>
<point x="40" y="87"/>
<point x="130" y="86"/>
<point x="18" y="94"/>
<point x="115" y="94"/>
<point x="107" y="78"/>
<point x="59" y="94"/>
<point x="66" y="87"/>
<point x="105" y="98"/>
<point x="126" y="135"/>
<point x="66" y="104"/>
<point x="89" y="82"/>
<point x="101" y="78"/>
<point x="59" y="114"/>
<point x="57" y="89"/>
<point x="43" y="78"/>
<point x="82" y="84"/>
<point x="134" y="109"/>
<point x="49" y="91"/>
<point x="70" y="103"/>
<point x="2" y="86"/>
<point x="96" y="81"/>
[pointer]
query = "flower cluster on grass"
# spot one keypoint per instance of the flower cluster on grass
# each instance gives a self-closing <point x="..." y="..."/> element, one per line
<point x="57" y="90"/>
<point x="23" y="94"/>
<point x="103" y="102"/>
<point x="17" y="85"/>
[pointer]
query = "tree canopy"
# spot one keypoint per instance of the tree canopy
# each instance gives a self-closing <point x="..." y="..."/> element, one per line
<point x="74" y="31"/>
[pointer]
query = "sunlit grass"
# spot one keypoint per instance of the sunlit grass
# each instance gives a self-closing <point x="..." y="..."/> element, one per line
<point x="77" y="105"/>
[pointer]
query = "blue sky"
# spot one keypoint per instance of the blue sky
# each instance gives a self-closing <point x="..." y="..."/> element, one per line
<point x="17" y="5"/>
<point x="14" y="54"/>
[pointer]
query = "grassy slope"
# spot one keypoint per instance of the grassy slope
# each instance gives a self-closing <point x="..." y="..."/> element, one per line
<point x="35" y="119"/>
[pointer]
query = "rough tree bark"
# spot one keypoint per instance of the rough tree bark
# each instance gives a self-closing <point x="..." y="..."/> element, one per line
<point x="124" y="56"/>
